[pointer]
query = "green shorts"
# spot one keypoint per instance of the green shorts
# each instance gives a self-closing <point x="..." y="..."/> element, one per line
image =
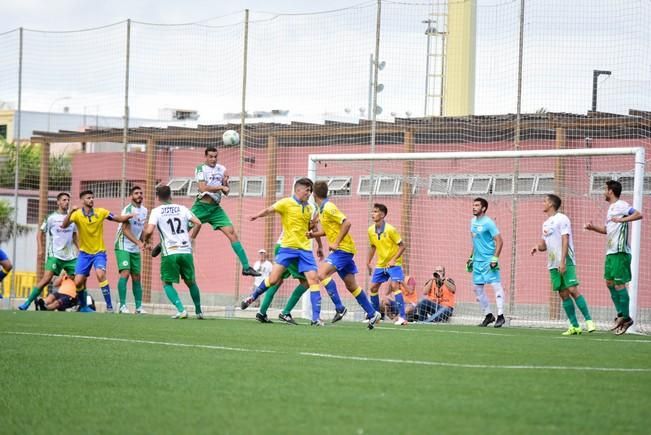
<point x="292" y="270"/>
<point x="177" y="265"/>
<point x="618" y="268"/>
<point x="213" y="214"/>
<point x="128" y="261"/>
<point x="56" y="265"/>
<point x="564" y="281"/>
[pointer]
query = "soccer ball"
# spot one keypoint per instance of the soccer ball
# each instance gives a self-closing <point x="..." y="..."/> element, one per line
<point x="231" y="137"/>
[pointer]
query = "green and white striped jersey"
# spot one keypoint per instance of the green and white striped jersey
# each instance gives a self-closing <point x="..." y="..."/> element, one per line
<point x="213" y="177"/>
<point x="616" y="232"/>
<point x="59" y="242"/>
<point x="172" y="223"/>
<point x="137" y="224"/>
<point x="553" y="230"/>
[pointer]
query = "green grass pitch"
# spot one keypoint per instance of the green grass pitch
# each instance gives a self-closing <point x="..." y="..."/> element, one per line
<point x="74" y="373"/>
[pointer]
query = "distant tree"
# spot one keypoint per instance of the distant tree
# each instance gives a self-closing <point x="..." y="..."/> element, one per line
<point x="29" y="158"/>
<point x="6" y="222"/>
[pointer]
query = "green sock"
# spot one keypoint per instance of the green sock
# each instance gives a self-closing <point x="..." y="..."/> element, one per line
<point x="268" y="297"/>
<point x="583" y="307"/>
<point x="624" y="302"/>
<point x="239" y="251"/>
<point x="122" y="290"/>
<point x="196" y="297"/>
<point x="568" y="306"/>
<point x="173" y="296"/>
<point x="294" y="298"/>
<point x="137" y="292"/>
<point x="33" y="295"/>
<point x="615" y="298"/>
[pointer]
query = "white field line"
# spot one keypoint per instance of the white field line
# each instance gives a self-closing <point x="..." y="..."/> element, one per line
<point x="129" y="340"/>
<point x="474" y="366"/>
<point x="340" y="357"/>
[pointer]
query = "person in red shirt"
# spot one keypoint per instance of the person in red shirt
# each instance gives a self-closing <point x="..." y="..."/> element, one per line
<point x="439" y="298"/>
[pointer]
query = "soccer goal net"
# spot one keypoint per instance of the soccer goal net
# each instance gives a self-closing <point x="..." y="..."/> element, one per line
<point x="430" y="195"/>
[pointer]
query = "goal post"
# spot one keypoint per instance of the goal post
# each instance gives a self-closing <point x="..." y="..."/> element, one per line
<point x="581" y="166"/>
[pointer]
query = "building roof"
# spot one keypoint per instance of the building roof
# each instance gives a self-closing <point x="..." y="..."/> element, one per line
<point x="483" y="128"/>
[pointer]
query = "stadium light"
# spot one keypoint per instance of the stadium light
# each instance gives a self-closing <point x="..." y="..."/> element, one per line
<point x="379" y="87"/>
<point x="595" y="76"/>
<point x="49" y="112"/>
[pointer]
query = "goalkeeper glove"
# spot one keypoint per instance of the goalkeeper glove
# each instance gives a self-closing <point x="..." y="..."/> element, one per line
<point x="495" y="263"/>
<point x="469" y="265"/>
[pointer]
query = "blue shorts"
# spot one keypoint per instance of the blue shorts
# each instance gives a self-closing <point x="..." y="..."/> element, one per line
<point x="86" y="261"/>
<point x="304" y="259"/>
<point x="3" y="255"/>
<point x="343" y="262"/>
<point x="383" y="274"/>
<point x="483" y="274"/>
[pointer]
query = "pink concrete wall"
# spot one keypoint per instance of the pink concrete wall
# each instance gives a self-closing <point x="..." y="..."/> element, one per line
<point x="440" y="231"/>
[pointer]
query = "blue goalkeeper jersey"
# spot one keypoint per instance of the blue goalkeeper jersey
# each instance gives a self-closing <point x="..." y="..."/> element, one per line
<point x="483" y="231"/>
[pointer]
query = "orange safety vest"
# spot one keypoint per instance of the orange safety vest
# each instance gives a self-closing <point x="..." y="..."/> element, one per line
<point x="442" y="296"/>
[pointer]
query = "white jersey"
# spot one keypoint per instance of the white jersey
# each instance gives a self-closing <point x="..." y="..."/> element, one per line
<point x="172" y="223"/>
<point x="59" y="242"/>
<point x="553" y="230"/>
<point x="137" y="225"/>
<point x="213" y="177"/>
<point x="264" y="267"/>
<point x="616" y="232"/>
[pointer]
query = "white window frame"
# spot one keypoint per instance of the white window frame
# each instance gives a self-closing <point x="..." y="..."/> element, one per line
<point x="192" y="184"/>
<point x="359" y="185"/>
<point x="230" y="183"/>
<point x="183" y="190"/>
<point x="472" y="179"/>
<point x="454" y="177"/>
<point x="510" y="178"/>
<point x="445" y="192"/>
<point x="616" y="176"/>
<point x="248" y="180"/>
<point x="537" y="189"/>
<point x="280" y="186"/>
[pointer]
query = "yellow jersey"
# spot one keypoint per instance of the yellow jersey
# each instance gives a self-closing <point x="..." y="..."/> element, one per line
<point x="295" y="220"/>
<point x="386" y="240"/>
<point x="331" y="220"/>
<point x="90" y="229"/>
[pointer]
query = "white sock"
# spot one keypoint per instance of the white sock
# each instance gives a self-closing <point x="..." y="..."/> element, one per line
<point x="499" y="297"/>
<point x="482" y="299"/>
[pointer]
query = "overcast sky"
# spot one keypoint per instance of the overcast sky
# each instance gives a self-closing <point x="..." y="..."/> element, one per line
<point x="318" y="63"/>
<point x="79" y="14"/>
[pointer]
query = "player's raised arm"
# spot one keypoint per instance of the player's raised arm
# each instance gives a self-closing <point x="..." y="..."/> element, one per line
<point x="121" y="219"/>
<point x="67" y="221"/>
<point x="262" y="213"/>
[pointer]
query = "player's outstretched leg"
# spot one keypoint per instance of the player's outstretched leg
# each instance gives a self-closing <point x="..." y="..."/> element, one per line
<point x="285" y="315"/>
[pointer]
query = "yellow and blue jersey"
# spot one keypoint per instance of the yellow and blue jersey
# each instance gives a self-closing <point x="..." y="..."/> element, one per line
<point x="331" y="220"/>
<point x="386" y="240"/>
<point x="90" y="228"/>
<point x="295" y="220"/>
